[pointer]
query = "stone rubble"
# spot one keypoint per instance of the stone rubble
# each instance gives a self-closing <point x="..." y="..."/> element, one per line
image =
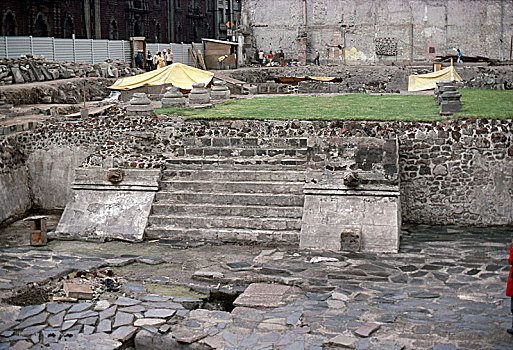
<point x="28" y="69"/>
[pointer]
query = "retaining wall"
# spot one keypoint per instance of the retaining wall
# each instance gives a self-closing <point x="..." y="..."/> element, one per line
<point x="452" y="172"/>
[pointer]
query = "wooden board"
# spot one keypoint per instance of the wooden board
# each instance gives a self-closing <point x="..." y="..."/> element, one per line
<point x="200" y="56"/>
<point x="194" y="58"/>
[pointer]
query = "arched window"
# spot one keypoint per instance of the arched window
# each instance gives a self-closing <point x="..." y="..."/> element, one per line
<point x="113" y="30"/>
<point x="9" y="24"/>
<point x="41" y="26"/>
<point x="137" y="29"/>
<point x="157" y="32"/>
<point x="68" y="27"/>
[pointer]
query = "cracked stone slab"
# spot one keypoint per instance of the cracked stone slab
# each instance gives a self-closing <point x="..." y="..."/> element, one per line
<point x="149" y="322"/>
<point x="124" y="333"/>
<point x="123" y="301"/>
<point x="159" y="313"/>
<point x="30" y="310"/>
<point x="189" y="336"/>
<point x="367" y="329"/>
<point x="104" y="326"/>
<point x="80" y="307"/>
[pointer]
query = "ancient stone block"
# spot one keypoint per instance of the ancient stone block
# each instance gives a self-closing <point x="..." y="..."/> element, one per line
<point x="173" y="98"/>
<point x="220" y="91"/>
<point x="99" y="209"/>
<point x="199" y="95"/>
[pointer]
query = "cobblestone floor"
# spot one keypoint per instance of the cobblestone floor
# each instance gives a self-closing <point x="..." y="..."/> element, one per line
<point x="444" y="290"/>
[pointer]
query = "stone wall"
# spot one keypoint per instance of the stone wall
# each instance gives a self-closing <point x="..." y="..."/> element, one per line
<point x="374" y="79"/>
<point x="417" y="29"/>
<point x="452" y="172"/>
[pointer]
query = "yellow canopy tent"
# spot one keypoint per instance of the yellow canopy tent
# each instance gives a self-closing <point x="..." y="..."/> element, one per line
<point x="428" y="81"/>
<point x="177" y="74"/>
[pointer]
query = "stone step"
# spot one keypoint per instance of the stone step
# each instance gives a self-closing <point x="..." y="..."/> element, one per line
<point x="225" y="235"/>
<point x="236" y="187"/>
<point x="257" y="199"/>
<point x="292" y="162"/>
<point x="240" y="152"/>
<point x="175" y="221"/>
<point x="234" y="175"/>
<point x="233" y="210"/>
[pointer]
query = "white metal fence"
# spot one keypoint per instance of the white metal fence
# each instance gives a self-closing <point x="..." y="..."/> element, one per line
<point x="84" y="50"/>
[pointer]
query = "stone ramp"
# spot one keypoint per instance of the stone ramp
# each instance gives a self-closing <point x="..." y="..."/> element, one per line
<point x="226" y="192"/>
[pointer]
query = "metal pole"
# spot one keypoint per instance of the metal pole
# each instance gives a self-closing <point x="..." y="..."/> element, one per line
<point x="53" y="48"/>
<point x="510" y="48"/>
<point x="230" y="13"/>
<point x="74" y="50"/>
<point x="31" y="46"/>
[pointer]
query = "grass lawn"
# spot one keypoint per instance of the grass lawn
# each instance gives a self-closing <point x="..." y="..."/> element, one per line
<point x="476" y="104"/>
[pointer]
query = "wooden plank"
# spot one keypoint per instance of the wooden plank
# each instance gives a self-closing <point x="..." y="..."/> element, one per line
<point x="196" y="64"/>
<point x="200" y="56"/>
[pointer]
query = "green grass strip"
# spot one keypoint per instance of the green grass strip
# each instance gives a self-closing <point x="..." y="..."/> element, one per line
<point x="476" y="104"/>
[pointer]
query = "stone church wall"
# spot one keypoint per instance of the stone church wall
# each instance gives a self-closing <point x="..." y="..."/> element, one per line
<point x="379" y="31"/>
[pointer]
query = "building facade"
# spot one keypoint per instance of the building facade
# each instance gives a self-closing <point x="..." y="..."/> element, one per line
<point x="378" y="31"/>
<point x="157" y="20"/>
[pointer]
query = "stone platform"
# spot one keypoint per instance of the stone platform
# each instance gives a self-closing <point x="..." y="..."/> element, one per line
<point x="443" y="290"/>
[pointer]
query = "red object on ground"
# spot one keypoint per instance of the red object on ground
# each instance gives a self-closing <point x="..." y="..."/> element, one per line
<point x="509" y="288"/>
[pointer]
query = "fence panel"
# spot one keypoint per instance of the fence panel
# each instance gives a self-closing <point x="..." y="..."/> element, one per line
<point x="86" y="50"/>
<point x="18" y="45"/>
<point x="83" y="50"/>
<point x="64" y="50"/>
<point x="126" y="51"/>
<point x="116" y="50"/>
<point x="43" y="47"/>
<point x="100" y="50"/>
<point x="3" y="47"/>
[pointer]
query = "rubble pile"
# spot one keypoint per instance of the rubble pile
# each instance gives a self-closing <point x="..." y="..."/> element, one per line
<point x="28" y="69"/>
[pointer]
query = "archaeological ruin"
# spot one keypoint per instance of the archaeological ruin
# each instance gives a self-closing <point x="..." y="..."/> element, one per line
<point x="138" y="218"/>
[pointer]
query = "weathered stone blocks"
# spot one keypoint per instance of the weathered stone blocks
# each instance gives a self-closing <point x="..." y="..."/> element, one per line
<point x="199" y="95"/>
<point x="140" y="105"/>
<point x="340" y="213"/>
<point x="220" y="91"/>
<point x="173" y="98"/>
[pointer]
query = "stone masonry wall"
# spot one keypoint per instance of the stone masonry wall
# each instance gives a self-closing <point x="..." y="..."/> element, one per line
<point x="375" y="78"/>
<point x="419" y="29"/>
<point x="452" y="172"/>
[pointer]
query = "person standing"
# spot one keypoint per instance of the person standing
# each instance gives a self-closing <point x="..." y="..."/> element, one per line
<point x="509" y="287"/>
<point x="460" y="54"/>
<point x="270" y="56"/>
<point x="169" y="57"/>
<point x="156" y="60"/>
<point x="317" y="55"/>
<point x="149" y="61"/>
<point x="261" y="57"/>
<point x="162" y="61"/>
<point x="138" y="60"/>
<point x="281" y="56"/>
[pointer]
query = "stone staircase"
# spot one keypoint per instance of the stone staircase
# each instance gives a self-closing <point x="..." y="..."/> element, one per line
<point x="231" y="189"/>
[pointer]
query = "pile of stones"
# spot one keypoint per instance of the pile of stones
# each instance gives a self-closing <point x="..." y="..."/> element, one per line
<point x="31" y="69"/>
